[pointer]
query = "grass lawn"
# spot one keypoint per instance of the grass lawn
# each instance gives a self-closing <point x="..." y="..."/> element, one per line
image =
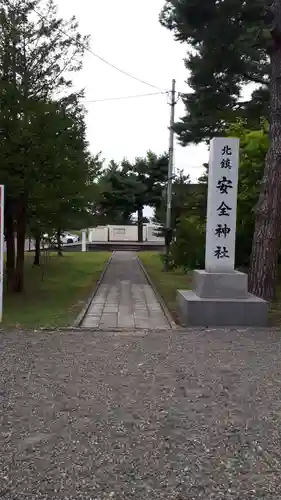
<point x="56" y="298"/>
<point x="167" y="285"/>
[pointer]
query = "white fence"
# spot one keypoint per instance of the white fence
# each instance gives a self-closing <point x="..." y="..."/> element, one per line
<point x="123" y="233"/>
<point x="98" y="234"/>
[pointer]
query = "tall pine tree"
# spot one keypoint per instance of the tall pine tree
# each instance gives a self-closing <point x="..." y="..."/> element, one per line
<point x="228" y="42"/>
<point x="234" y="42"/>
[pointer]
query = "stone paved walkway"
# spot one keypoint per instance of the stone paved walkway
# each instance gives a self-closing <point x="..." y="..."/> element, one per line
<point x="125" y="299"/>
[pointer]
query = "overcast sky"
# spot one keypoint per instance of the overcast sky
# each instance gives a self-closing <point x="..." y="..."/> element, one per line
<point x="128" y="34"/>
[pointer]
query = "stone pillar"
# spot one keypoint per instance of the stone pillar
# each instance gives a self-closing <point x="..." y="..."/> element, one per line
<point x="84" y="240"/>
<point x="220" y="294"/>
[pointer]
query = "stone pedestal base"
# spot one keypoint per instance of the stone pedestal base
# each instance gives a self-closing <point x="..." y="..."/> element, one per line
<point x="220" y="285"/>
<point x="221" y="299"/>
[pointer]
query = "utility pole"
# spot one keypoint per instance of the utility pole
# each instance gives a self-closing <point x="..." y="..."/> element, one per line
<point x="168" y="229"/>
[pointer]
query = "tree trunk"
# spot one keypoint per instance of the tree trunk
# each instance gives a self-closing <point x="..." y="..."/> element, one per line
<point x="10" y="246"/>
<point x="140" y="224"/>
<point x="37" y="255"/>
<point x="59" y="242"/>
<point x="18" y="285"/>
<point x="267" y="236"/>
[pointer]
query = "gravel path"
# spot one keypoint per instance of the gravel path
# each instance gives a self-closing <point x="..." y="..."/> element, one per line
<point x="152" y="416"/>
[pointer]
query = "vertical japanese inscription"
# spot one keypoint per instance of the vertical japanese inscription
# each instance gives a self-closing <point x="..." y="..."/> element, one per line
<point x="222" y="201"/>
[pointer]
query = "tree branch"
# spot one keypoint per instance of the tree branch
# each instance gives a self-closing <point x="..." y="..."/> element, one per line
<point x="256" y="79"/>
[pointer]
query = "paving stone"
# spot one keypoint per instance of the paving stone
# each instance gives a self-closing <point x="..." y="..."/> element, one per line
<point x="155" y="314"/>
<point x="110" y="309"/>
<point x="125" y="311"/>
<point x="141" y="315"/>
<point x="95" y="313"/>
<point x="95" y="310"/>
<point x="158" y="324"/>
<point x="126" y="322"/>
<point x="91" y="322"/>
<point x="110" y="319"/>
<point x="143" y="323"/>
<point x="99" y="301"/>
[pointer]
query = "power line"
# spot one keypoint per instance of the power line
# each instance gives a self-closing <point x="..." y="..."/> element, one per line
<point x="124" y="97"/>
<point x="100" y="57"/>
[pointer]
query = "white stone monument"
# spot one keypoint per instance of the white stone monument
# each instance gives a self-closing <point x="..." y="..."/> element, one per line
<point x="220" y="294"/>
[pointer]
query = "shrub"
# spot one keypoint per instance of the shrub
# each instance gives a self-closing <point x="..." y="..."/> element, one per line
<point x="188" y="248"/>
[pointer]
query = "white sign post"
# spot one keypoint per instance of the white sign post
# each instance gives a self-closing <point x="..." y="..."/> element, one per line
<point x="84" y="241"/>
<point x="2" y="193"/>
<point x="222" y="205"/>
